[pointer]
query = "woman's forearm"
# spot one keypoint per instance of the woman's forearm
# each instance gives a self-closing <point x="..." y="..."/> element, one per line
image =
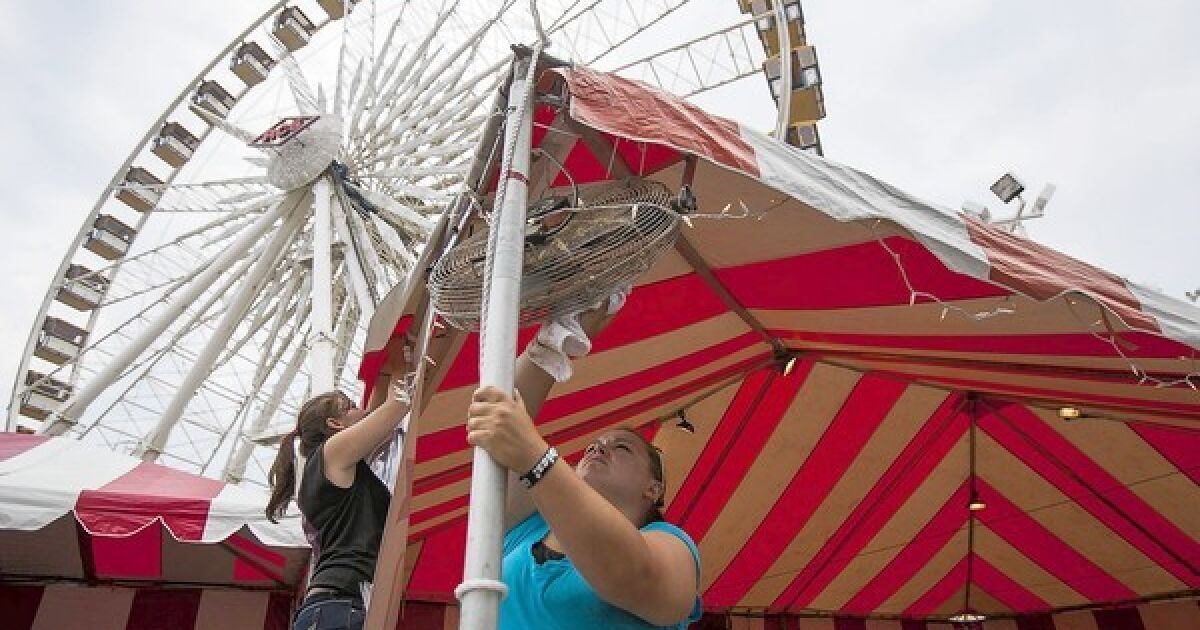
<point x="534" y="384"/>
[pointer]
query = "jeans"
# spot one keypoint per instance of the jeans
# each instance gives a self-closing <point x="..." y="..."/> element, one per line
<point x="334" y="613"/>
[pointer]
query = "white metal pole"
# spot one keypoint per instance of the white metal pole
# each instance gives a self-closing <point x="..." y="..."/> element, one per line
<point x="321" y="357"/>
<point x="785" y="71"/>
<point x="252" y="284"/>
<point x="70" y="411"/>
<point x="358" y="279"/>
<point x="481" y="590"/>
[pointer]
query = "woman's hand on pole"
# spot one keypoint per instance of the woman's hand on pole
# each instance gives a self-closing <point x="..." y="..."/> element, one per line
<point x="500" y="425"/>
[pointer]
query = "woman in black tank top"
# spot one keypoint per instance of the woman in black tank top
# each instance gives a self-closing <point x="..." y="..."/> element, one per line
<point x="343" y="503"/>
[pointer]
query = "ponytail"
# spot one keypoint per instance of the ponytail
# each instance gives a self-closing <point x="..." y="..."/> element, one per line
<point x="282" y="478"/>
<point x="312" y="431"/>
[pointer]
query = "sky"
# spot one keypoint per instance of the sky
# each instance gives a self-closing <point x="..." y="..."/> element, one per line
<point x="938" y="97"/>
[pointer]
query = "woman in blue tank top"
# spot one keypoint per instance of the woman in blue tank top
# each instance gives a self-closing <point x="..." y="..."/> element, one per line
<point x="585" y="548"/>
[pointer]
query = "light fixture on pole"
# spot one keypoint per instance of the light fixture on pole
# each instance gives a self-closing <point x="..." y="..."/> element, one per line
<point x="1008" y="188"/>
<point x="683" y="423"/>
<point x="785" y="362"/>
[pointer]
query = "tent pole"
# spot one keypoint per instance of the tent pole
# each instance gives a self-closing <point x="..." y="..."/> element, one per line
<point x="481" y="590"/>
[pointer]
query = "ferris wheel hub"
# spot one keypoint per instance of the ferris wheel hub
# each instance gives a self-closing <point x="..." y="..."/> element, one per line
<point x="300" y="148"/>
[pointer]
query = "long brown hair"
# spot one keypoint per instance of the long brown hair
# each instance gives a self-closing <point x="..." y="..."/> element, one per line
<point x="312" y="430"/>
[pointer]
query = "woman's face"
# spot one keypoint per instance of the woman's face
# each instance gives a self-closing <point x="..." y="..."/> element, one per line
<point x="348" y="413"/>
<point x="618" y="466"/>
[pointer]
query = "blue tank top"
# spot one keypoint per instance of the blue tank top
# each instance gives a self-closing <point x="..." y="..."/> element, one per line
<point x="554" y="595"/>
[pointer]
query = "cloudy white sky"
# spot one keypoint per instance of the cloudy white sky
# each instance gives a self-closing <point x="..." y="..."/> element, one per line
<point x="935" y="96"/>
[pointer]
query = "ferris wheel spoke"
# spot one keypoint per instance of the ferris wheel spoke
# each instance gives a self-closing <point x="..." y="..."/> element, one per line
<point x="302" y="90"/>
<point x="234" y="312"/>
<point x="172" y="346"/>
<point x="357" y="226"/>
<point x="362" y="290"/>
<point x="119" y="335"/>
<point x="381" y="72"/>
<point x="386" y="241"/>
<point x="295" y="314"/>
<point x="604" y="26"/>
<point x="704" y="63"/>
<point x="71" y="409"/>
<point x="344" y="332"/>
<point x="268" y="308"/>
<point x="393" y="85"/>
<point x="435" y="110"/>
<point x="235" y="467"/>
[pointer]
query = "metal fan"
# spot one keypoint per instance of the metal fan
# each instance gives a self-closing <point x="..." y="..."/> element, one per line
<point x="574" y="256"/>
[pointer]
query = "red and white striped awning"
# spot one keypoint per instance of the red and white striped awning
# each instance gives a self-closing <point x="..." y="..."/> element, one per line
<point x="71" y="511"/>
<point x="927" y="346"/>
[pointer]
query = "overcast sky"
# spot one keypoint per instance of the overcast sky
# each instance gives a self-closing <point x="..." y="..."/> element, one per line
<point x="938" y="97"/>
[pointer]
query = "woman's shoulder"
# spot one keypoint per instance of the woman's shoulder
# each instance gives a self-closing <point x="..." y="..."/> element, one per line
<point x="677" y="532"/>
<point x="674" y="530"/>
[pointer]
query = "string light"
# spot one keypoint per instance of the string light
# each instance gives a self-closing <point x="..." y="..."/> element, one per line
<point x="1144" y="378"/>
<point x="913" y="293"/>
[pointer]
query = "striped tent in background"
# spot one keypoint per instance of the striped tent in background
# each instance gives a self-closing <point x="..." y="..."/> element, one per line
<point x="1170" y="615"/>
<point x="94" y="539"/>
<point x="857" y="369"/>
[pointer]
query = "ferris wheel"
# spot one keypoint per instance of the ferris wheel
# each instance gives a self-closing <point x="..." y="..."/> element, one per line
<point x="230" y="267"/>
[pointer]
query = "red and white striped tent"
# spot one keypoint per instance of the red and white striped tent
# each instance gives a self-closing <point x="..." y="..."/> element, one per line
<point x="933" y="357"/>
<point x="92" y="538"/>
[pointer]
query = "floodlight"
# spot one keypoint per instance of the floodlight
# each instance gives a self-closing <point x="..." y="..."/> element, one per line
<point x="1008" y="187"/>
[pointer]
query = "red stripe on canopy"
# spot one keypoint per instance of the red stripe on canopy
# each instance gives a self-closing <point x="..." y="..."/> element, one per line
<point x="144" y="494"/>
<point x="1061" y="463"/>
<point x="1006" y="590"/>
<point x="944" y="524"/>
<point x="605" y="421"/>
<point x="1181" y="447"/>
<point x="751" y="418"/>
<point x="835" y="277"/>
<point x="861" y="413"/>
<point x="940" y="592"/>
<point x="940" y="432"/>
<point x="1040" y="545"/>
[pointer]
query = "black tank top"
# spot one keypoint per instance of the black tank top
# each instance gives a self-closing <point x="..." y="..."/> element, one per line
<point x="349" y="524"/>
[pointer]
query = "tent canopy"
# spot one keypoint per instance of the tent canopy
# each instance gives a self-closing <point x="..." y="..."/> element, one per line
<point x="78" y="512"/>
<point x="860" y="366"/>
